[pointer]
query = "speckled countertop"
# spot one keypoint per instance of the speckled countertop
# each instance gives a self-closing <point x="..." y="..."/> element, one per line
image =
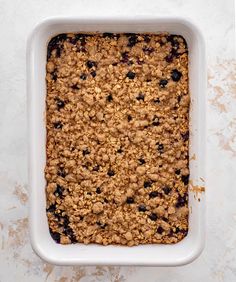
<point x="218" y="261"/>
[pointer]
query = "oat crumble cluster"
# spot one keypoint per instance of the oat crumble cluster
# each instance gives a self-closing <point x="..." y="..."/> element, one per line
<point x="117" y="166"/>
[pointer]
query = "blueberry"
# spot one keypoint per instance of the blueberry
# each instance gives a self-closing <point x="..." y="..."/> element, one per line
<point x="160" y="230"/>
<point x="125" y="57"/>
<point x="176" y="75"/>
<point x="86" y="152"/>
<point x="155" y="121"/>
<point x="96" y="168"/>
<point x="133" y="39"/>
<point x="102" y="225"/>
<point x="169" y="58"/>
<point x="179" y="98"/>
<point x="142" y="208"/>
<point x="60" y="103"/>
<point x="51" y="208"/>
<point x="129" y="117"/>
<point x="140" y="97"/>
<point x="130" y="200"/>
<point x="55" y="43"/>
<point x="59" y="191"/>
<point x="153" y="216"/>
<point x="147" y="38"/>
<point x="177" y="171"/>
<point x="83" y="76"/>
<point x="157" y="101"/>
<point x="109" y="98"/>
<point x="130" y="75"/>
<point x="91" y="64"/>
<point x="163" y="83"/>
<point x="153" y="194"/>
<point x="55" y="236"/>
<point x="181" y="201"/>
<point x="160" y="148"/>
<point x="185" y="179"/>
<point x="93" y="73"/>
<point x="75" y="87"/>
<point x="147" y="184"/>
<point x="58" y="125"/>
<point x="139" y="62"/>
<point x="148" y="50"/>
<point x="54" y="76"/>
<point x="98" y="190"/>
<point x="166" y="190"/>
<point x="69" y="232"/>
<point x="109" y="35"/>
<point x="185" y="136"/>
<point x="141" y="161"/>
<point x="110" y="172"/>
<point x="61" y="172"/>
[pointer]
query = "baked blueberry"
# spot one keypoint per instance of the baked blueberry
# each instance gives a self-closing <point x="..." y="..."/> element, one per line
<point x="177" y="171"/>
<point x="142" y="208"/>
<point x="133" y="39"/>
<point x="148" y="50"/>
<point x="61" y="172"/>
<point x="109" y="98"/>
<point x="60" y="103"/>
<point x="54" y="76"/>
<point x="83" y="76"/>
<point x="185" y="136"/>
<point x="75" y="87"/>
<point x="129" y="118"/>
<point x="163" y="83"/>
<point x="130" y="200"/>
<point x="157" y="101"/>
<point x="181" y="201"/>
<point x="91" y="64"/>
<point x="55" y="43"/>
<point x="176" y="75"/>
<point x="155" y="121"/>
<point x="166" y="190"/>
<point x="153" y="216"/>
<point x="147" y="38"/>
<point x="147" y="184"/>
<point x="59" y="191"/>
<point x="140" y="97"/>
<point x="98" y="190"/>
<point x="130" y="75"/>
<point x="51" y="208"/>
<point x="141" y="161"/>
<point x="110" y="172"/>
<point x="160" y="230"/>
<point x="55" y="236"/>
<point x="153" y="194"/>
<point x="58" y="125"/>
<point x="160" y="148"/>
<point x="96" y="168"/>
<point x="86" y="152"/>
<point x="185" y="179"/>
<point x="109" y="35"/>
<point x="93" y="73"/>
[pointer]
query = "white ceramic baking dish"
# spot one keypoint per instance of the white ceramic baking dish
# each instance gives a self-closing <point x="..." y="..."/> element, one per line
<point x="79" y="254"/>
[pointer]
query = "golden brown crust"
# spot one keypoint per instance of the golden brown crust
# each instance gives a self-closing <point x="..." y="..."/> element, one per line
<point x="117" y="138"/>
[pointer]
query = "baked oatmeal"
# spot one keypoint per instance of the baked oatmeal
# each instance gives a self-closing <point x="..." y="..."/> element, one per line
<point x="117" y="166"/>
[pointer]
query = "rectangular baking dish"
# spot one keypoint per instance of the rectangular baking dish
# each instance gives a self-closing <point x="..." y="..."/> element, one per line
<point x="79" y="254"/>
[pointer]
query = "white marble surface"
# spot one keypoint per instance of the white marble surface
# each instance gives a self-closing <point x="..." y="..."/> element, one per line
<point x="218" y="261"/>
